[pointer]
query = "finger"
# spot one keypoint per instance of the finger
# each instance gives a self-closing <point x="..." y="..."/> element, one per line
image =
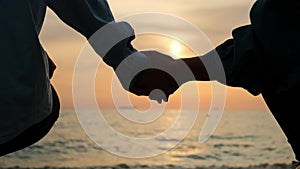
<point x="157" y="95"/>
<point x="159" y="101"/>
<point x="151" y="97"/>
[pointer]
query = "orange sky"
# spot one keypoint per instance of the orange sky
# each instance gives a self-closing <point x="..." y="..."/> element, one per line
<point x="215" y="18"/>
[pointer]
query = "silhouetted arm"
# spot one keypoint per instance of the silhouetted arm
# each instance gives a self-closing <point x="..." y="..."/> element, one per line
<point x="197" y="67"/>
<point x="240" y="59"/>
<point x="85" y="16"/>
<point x="111" y="40"/>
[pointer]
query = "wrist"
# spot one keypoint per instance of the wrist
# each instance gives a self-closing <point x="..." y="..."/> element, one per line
<point x="130" y="67"/>
<point x="112" y="42"/>
<point x="119" y="52"/>
<point x="181" y="72"/>
<point x="197" y="68"/>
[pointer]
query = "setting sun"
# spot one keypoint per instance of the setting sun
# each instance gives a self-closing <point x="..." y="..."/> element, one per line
<point x="175" y="48"/>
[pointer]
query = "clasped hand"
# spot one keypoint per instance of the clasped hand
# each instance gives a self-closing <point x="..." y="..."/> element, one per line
<point x="158" y="80"/>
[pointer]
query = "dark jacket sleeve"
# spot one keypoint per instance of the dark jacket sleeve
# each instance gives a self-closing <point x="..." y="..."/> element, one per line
<point x="240" y="59"/>
<point x="87" y="17"/>
<point x="262" y="55"/>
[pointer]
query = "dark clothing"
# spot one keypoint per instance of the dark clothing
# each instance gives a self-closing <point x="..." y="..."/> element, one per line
<point x="25" y="89"/>
<point x="39" y="130"/>
<point x="34" y="133"/>
<point x="263" y="58"/>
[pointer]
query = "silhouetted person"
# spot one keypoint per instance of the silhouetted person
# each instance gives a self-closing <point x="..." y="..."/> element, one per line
<point x="262" y="57"/>
<point x="29" y="105"/>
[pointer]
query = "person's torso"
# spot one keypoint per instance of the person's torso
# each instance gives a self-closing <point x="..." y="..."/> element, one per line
<point x="276" y="25"/>
<point x="25" y="87"/>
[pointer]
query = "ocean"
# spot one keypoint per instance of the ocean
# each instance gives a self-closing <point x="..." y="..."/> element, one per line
<point x="243" y="139"/>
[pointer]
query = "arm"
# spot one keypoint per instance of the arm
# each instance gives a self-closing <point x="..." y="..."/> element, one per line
<point x="111" y="40"/>
<point x="241" y="61"/>
<point x="85" y="16"/>
<point x="239" y="58"/>
<point x="255" y="57"/>
<point x="197" y="68"/>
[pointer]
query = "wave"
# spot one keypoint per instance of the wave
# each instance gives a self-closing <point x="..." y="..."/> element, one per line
<point x="125" y="166"/>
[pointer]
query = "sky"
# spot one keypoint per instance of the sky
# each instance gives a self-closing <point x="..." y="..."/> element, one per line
<point x="214" y="18"/>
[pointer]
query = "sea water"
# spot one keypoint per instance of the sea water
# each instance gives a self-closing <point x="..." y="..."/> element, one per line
<point x="243" y="138"/>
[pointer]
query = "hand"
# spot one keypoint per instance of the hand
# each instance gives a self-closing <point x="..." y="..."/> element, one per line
<point x="158" y="76"/>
